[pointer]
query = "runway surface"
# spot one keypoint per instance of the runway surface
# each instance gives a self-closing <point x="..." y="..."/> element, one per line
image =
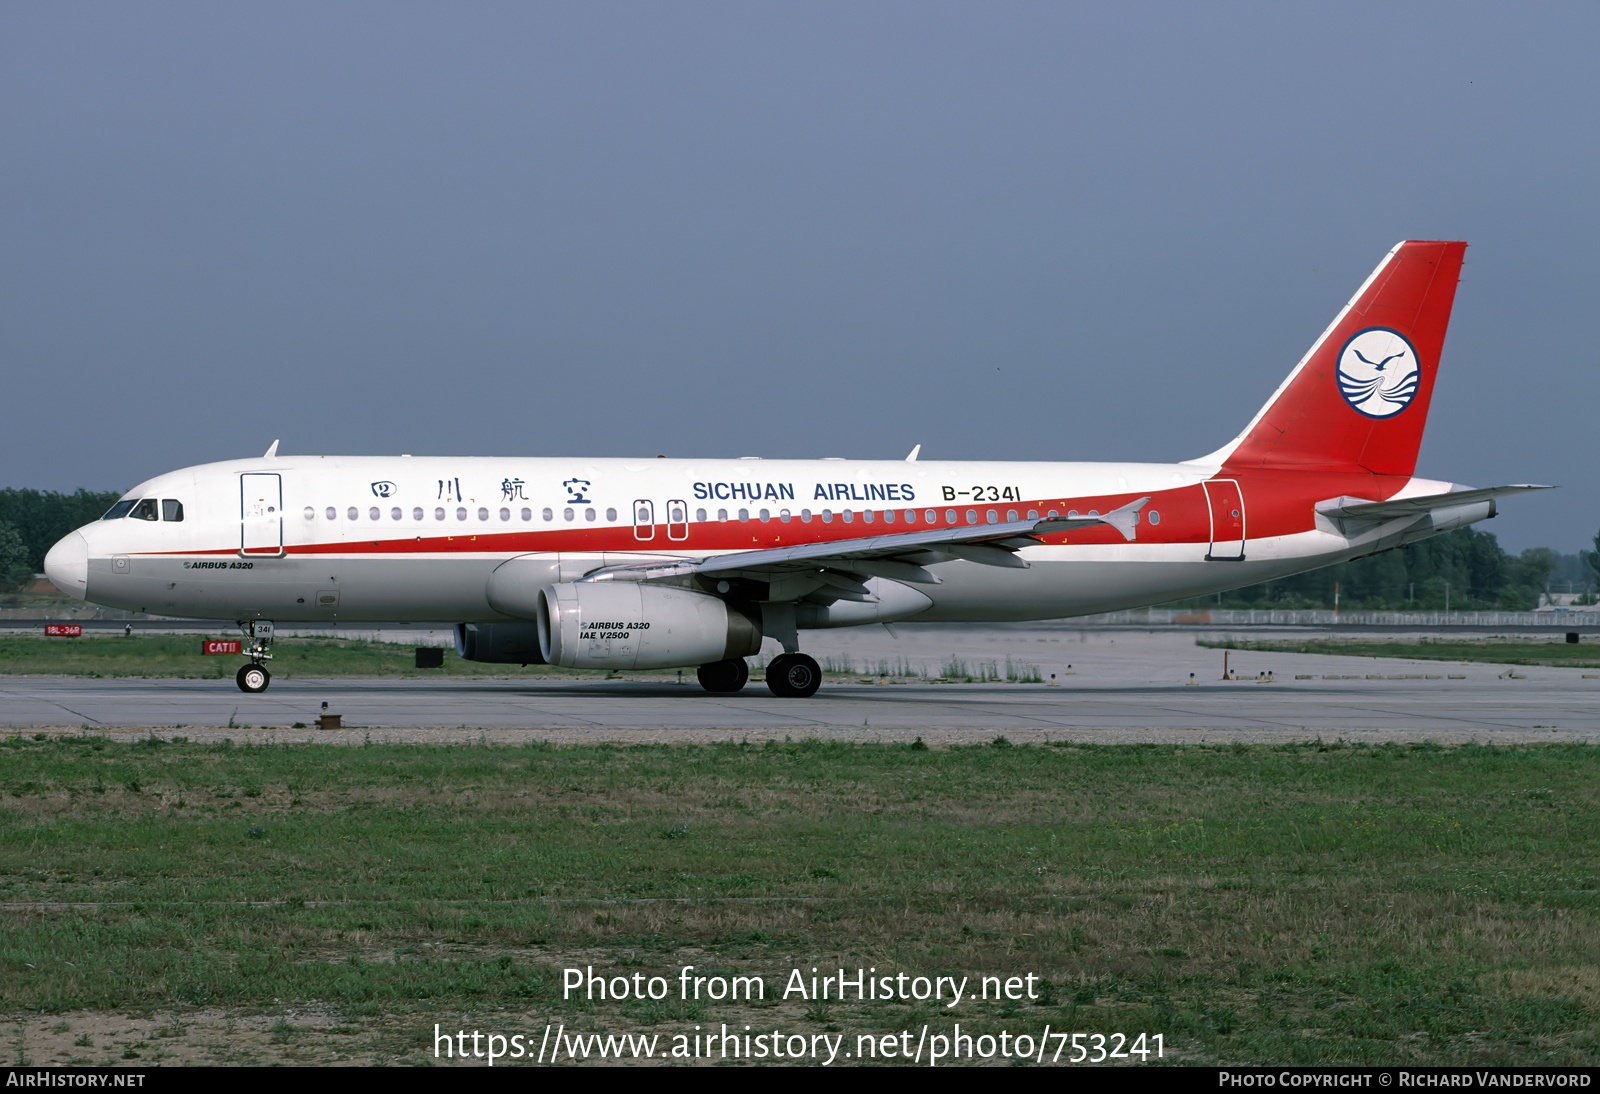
<point x="1121" y="688"/>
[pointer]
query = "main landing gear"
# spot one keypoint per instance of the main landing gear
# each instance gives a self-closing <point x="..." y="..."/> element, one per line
<point x="724" y="677"/>
<point x="254" y="677"/>
<point x="793" y="676"/>
<point x="789" y="676"/>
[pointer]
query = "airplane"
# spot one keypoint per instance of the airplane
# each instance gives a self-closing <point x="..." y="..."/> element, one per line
<point x="668" y="563"/>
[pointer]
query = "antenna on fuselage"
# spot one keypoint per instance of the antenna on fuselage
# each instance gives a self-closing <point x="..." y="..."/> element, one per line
<point x="912" y="458"/>
<point x="271" y="452"/>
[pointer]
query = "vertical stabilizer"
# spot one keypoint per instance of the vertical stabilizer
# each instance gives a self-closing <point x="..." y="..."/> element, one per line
<point x="1359" y="398"/>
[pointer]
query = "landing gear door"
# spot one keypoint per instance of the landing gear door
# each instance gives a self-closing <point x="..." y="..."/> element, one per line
<point x="260" y="514"/>
<point x="1227" y="520"/>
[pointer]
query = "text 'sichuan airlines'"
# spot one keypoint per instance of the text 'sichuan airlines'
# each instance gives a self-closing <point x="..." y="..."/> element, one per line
<point x="658" y="563"/>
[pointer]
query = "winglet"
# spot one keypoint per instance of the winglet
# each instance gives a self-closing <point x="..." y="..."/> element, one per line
<point x="272" y="452"/>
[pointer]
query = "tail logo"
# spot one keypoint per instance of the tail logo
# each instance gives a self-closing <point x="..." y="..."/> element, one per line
<point x="1379" y="372"/>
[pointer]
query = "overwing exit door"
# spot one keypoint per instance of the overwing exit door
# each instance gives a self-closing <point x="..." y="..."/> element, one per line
<point x="644" y="520"/>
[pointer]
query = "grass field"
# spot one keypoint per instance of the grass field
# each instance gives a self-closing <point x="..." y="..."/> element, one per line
<point x="1266" y="904"/>
<point x="1494" y="651"/>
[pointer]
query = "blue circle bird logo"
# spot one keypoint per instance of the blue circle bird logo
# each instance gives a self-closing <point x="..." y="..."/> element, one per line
<point x="1379" y="372"/>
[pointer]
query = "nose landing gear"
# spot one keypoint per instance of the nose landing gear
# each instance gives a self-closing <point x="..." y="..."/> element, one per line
<point x="254" y="677"/>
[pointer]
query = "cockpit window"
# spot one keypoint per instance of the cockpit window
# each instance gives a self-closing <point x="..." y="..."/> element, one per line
<point x="119" y="510"/>
<point x="145" y="510"/>
<point x="171" y="510"/>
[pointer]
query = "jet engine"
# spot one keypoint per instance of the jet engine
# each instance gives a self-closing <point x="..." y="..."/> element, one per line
<point x="628" y="625"/>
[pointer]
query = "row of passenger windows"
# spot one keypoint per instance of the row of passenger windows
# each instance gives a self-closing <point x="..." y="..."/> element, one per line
<point x="461" y="513"/>
<point x="146" y="509"/>
<point x="868" y="516"/>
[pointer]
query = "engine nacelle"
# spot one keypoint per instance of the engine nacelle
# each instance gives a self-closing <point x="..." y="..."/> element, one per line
<point x="499" y="643"/>
<point x="628" y="625"/>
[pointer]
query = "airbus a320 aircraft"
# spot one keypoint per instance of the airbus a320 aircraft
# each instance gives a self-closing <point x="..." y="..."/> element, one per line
<point x="658" y="563"/>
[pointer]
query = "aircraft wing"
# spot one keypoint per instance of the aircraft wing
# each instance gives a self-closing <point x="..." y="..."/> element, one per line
<point x="1360" y="509"/>
<point x="901" y="556"/>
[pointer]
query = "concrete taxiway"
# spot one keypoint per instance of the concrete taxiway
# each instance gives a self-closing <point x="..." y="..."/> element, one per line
<point x="1114" y="688"/>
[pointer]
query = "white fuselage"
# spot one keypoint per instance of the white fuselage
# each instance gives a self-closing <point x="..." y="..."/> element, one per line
<point x="338" y="538"/>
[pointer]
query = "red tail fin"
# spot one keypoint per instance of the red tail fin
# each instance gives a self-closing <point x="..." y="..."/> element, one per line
<point x="1359" y="399"/>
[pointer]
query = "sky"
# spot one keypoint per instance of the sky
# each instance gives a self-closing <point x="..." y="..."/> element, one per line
<point x="998" y="230"/>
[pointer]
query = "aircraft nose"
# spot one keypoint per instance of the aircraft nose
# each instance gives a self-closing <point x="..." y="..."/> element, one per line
<point x="67" y="565"/>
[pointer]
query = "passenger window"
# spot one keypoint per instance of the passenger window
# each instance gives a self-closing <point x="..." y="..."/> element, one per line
<point x="805" y="516"/>
<point x="849" y="515"/>
<point x="827" y="516"/>
<point x="867" y="516"/>
<point x="416" y="514"/>
<point x="173" y="510"/>
<point x="588" y="514"/>
<point x="373" y="513"/>
<point x="505" y="514"/>
<point x="145" y="509"/>
<point x="949" y="516"/>
<point x="527" y="516"/>
<point x="1155" y="517"/>
<point x="333" y="514"/>
<point x="992" y="517"/>
<point x="722" y="515"/>
<point x="567" y="514"/>
<point x="744" y="515"/>
<point x="397" y="513"/>
<point x="932" y="516"/>
<point x="461" y="513"/>
<point x="766" y="515"/>
<point x="354" y="514"/>
<point x="438" y="514"/>
<point x="483" y="514"/>
<point x="783" y="515"/>
<point x="1033" y="514"/>
<point x="972" y="516"/>
<point x="311" y="514"/>
<point x="549" y="514"/>
<point x="911" y="516"/>
<point x="1011" y="516"/>
<point x="119" y="510"/>
<point x="611" y="515"/>
<point x="699" y="516"/>
<point x="888" y="516"/>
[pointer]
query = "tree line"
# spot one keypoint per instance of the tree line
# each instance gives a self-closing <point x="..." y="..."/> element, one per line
<point x="1465" y="569"/>
<point x="32" y="520"/>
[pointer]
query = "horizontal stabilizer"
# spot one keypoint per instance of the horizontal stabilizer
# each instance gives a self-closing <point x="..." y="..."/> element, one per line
<point x="1361" y="509"/>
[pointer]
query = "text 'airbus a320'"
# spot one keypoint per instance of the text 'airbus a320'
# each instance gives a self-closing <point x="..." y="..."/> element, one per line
<point x="658" y="563"/>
